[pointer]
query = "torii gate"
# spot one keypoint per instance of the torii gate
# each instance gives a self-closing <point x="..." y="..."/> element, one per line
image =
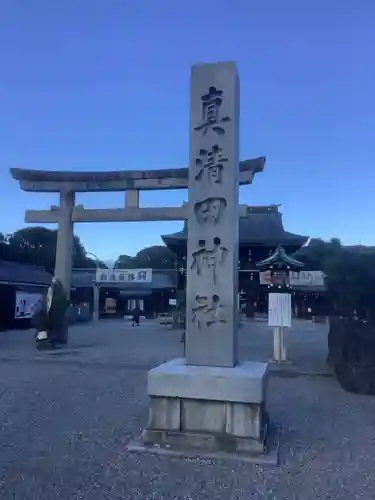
<point x="67" y="184"/>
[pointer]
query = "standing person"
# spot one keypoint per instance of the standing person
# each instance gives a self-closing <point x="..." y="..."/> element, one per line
<point x="136" y="314"/>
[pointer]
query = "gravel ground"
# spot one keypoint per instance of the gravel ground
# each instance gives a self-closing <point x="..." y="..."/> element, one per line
<point x="66" y="419"/>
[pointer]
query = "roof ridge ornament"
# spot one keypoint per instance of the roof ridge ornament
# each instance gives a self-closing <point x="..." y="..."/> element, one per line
<point x="280" y="259"/>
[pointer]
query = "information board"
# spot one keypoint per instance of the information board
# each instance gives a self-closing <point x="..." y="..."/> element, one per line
<point x="27" y="304"/>
<point x="279" y="309"/>
<point x="124" y="276"/>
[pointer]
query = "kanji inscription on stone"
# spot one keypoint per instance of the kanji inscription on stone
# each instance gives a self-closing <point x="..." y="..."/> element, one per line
<point x="212" y="163"/>
<point x="208" y="310"/>
<point x="209" y="210"/>
<point x="206" y="260"/>
<point x="212" y="249"/>
<point x="211" y="104"/>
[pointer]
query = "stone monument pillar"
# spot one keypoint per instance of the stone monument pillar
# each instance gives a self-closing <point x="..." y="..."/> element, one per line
<point x="208" y="401"/>
<point x="212" y="249"/>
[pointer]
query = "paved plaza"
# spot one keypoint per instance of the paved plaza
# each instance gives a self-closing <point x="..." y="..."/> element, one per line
<point x="66" y="418"/>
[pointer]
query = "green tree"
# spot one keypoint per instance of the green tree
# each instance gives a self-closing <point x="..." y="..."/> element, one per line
<point x="4" y="251"/>
<point x="125" y="262"/>
<point x="350" y="275"/>
<point x="37" y="245"/>
<point x="155" y="257"/>
<point x="313" y="254"/>
<point x="34" y="245"/>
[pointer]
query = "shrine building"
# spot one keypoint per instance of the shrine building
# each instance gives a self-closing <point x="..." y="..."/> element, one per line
<point x="260" y="233"/>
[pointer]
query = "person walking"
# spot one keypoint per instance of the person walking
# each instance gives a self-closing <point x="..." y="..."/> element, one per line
<point x="136" y="315"/>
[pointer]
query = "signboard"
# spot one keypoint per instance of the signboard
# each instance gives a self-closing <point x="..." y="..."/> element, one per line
<point x="296" y="278"/>
<point x="306" y="278"/>
<point x="265" y="277"/>
<point x="124" y="276"/>
<point x="276" y="277"/>
<point x="27" y="304"/>
<point x="279" y="309"/>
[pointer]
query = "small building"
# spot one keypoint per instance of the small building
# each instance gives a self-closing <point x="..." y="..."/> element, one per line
<point x="120" y="298"/>
<point x="22" y="288"/>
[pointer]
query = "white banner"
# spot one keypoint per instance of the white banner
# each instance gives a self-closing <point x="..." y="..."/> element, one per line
<point x="306" y="278"/>
<point x="279" y="309"/>
<point x="27" y="304"/>
<point x="124" y="276"/>
<point x="296" y="278"/>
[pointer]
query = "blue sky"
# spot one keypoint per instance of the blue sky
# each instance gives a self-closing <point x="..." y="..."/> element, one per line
<point x="104" y="85"/>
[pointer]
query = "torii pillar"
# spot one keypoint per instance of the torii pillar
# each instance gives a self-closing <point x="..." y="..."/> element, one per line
<point x="65" y="241"/>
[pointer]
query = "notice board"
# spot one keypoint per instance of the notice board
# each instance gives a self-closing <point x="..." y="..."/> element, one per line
<point x="279" y="309"/>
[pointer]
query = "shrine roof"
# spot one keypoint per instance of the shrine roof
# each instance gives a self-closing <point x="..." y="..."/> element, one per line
<point x="28" y="274"/>
<point x="278" y="258"/>
<point x="262" y="226"/>
<point x="174" y="178"/>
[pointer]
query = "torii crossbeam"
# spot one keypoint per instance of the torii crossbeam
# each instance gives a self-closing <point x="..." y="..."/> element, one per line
<point x="67" y="183"/>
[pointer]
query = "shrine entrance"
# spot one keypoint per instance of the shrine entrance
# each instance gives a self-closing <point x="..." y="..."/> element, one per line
<point x="131" y="182"/>
<point x="184" y="391"/>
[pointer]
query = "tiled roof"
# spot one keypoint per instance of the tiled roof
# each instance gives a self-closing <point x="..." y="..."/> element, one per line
<point x="263" y="225"/>
<point x="14" y="272"/>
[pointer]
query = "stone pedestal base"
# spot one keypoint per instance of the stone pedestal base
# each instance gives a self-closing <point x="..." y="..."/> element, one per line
<point x="207" y="408"/>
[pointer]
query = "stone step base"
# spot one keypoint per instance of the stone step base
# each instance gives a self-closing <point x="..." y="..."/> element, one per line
<point x="200" y="441"/>
<point x="180" y="444"/>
